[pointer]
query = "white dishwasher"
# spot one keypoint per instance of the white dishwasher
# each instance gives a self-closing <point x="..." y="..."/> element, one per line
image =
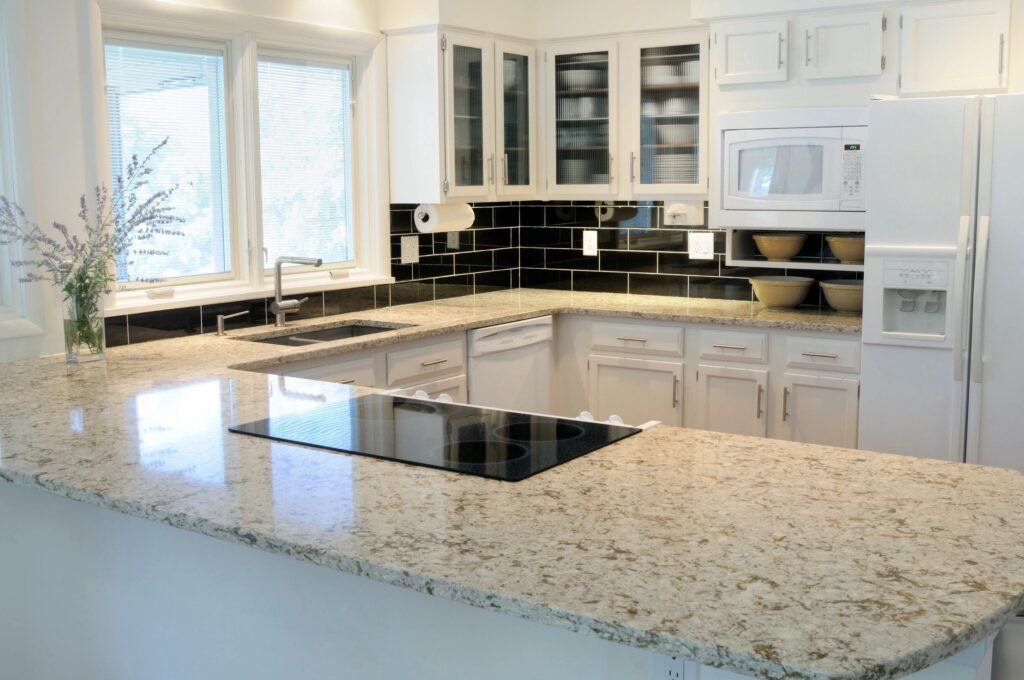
<point x="510" y="365"/>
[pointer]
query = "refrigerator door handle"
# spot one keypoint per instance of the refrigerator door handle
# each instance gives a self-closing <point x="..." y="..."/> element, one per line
<point x="959" y="337"/>
<point x="978" y="305"/>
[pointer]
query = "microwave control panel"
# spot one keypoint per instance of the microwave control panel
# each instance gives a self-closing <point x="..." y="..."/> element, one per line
<point x="853" y="176"/>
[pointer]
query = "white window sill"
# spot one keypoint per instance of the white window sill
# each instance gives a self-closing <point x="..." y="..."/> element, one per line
<point x="136" y="301"/>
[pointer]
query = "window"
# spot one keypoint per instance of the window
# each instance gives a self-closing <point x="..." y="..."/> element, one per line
<point x="305" y="159"/>
<point x="157" y="92"/>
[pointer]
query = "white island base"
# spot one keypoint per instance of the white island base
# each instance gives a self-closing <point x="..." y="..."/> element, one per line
<point x="92" y="594"/>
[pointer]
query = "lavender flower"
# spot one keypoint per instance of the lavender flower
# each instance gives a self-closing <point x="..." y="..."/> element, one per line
<point x="117" y="224"/>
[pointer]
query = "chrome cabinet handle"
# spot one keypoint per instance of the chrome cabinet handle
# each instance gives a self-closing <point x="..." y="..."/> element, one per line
<point x="350" y="381"/>
<point x="760" y="395"/>
<point x="1002" y="45"/>
<point x="807" y="48"/>
<point x="785" y="404"/>
<point x="780" y="49"/>
<point x="675" y="391"/>
<point x="506" y="169"/>
<point x="434" y="362"/>
<point x="629" y="339"/>
<point x="978" y="304"/>
<point x="490" y="169"/>
<point x="611" y="164"/>
<point x="820" y="355"/>
<point x="739" y="347"/>
<point x="632" y="167"/>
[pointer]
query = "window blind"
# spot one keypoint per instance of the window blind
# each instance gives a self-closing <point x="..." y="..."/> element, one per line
<point x="305" y="159"/>
<point x="178" y="94"/>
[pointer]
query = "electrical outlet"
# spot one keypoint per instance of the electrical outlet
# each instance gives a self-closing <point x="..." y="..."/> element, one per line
<point x="667" y="667"/>
<point x="453" y="240"/>
<point x="410" y="249"/>
<point x="701" y="245"/>
<point x="590" y="242"/>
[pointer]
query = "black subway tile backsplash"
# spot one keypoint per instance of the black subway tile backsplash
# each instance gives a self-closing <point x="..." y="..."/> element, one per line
<point x="531" y="244"/>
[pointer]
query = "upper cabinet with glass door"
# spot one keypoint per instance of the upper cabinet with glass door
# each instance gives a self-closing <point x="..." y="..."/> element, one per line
<point x="582" y="132"/>
<point x="666" y="107"/>
<point x="515" y="120"/>
<point x="470" y="119"/>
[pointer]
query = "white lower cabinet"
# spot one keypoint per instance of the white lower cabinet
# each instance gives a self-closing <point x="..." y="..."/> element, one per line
<point x="732" y="399"/>
<point x="454" y="387"/>
<point x="636" y="390"/>
<point x="819" y="409"/>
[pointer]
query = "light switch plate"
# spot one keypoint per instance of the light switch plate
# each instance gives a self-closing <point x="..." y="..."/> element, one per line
<point x="453" y="240"/>
<point x="701" y="245"/>
<point x="410" y="249"/>
<point x="590" y="242"/>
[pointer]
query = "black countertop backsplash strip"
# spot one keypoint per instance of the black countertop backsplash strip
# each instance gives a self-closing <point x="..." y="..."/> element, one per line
<point x="530" y="244"/>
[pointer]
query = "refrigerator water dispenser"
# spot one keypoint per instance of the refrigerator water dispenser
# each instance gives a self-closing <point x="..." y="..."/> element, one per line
<point x="907" y="296"/>
<point x="914" y="297"/>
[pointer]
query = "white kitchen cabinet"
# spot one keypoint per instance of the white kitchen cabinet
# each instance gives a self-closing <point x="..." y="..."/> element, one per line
<point x="582" y="117"/>
<point x="732" y="399"/>
<point x="469" y="114"/>
<point x="461" y="117"/>
<point x="664" y="113"/>
<point x="636" y="390"/>
<point x="819" y="409"/>
<point x="454" y="386"/>
<point x="365" y="370"/>
<point x="515" y="119"/>
<point x="842" y="45"/>
<point x="954" y="46"/>
<point x="422" y="363"/>
<point x="750" y="52"/>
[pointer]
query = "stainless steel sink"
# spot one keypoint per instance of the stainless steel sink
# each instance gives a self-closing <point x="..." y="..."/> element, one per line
<point x="306" y="338"/>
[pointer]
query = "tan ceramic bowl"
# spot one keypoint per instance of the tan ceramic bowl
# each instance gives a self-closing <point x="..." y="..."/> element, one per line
<point x="849" y="249"/>
<point x="779" y="247"/>
<point x="844" y="295"/>
<point x="781" y="291"/>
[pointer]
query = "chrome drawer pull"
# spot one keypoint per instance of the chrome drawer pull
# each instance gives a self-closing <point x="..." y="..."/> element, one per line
<point x="785" y="404"/>
<point x="675" y="391"/>
<point x="628" y="339"/>
<point x="760" y="394"/>
<point x="739" y="347"/>
<point x="435" y="362"/>
<point x="350" y="381"/>
<point x="820" y="355"/>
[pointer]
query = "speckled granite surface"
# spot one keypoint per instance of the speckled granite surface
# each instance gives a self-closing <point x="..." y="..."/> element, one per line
<point x="768" y="558"/>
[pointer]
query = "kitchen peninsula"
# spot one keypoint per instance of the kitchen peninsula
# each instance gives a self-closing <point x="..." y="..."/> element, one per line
<point x="751" y="556"/>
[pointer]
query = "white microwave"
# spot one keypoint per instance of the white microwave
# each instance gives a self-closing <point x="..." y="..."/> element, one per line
<point x="774" y="173"/>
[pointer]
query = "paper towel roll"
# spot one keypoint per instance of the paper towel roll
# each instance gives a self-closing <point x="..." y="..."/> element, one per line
<point x="434" y="217"/>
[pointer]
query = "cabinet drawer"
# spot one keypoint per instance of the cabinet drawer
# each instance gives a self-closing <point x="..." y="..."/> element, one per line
<point x="637" y="338"/>
<point x="360" y="371"/>
<point x="734" y="346"/>
<point x="417" y="363"/>
<point x="823" y="354"/>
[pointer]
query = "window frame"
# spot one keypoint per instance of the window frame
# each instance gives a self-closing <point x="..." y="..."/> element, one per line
<point x="190" y="45"/>
<point x="245" y="36"/>
<point x="271" y="51"/>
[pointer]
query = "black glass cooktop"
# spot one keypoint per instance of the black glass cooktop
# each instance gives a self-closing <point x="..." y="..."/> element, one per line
<point x="476" y="441"/>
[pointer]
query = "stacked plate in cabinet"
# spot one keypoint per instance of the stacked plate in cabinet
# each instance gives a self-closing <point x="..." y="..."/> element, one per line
<point x="675" y="167"/>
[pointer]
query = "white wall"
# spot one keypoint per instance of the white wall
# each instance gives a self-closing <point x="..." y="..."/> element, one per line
<point x="570" y="18"/>
<point x="354" y="15"/>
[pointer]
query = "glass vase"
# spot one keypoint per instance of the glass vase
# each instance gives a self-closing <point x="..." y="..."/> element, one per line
<point x="83" y="329"/>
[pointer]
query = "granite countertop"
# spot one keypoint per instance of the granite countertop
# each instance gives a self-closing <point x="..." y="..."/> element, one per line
<point x="768" y="558"/>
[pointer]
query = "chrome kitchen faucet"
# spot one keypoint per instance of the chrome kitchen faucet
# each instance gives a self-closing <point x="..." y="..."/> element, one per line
<point x="279" y="308"/>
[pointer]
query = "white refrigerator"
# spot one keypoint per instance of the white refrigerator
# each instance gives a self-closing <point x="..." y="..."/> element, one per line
<point x="943" y="353"/>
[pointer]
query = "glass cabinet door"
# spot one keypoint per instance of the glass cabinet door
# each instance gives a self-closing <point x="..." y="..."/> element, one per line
<point x="584" y="119"/>
<point x="668" y="156"/>
<point x="470" y="150"/>
<point x="514" y="132"/>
